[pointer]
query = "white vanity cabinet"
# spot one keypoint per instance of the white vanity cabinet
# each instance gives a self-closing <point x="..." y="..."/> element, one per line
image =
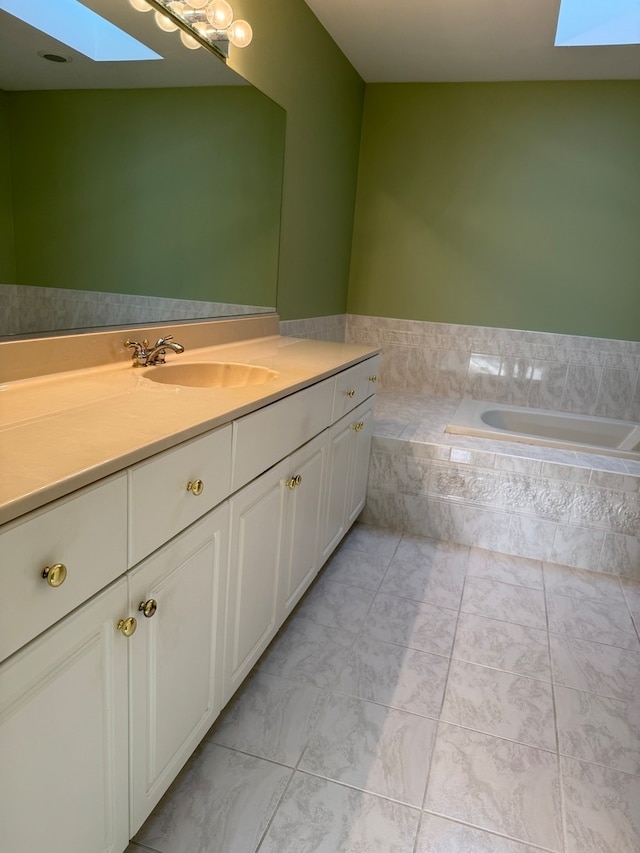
<point x="178" y="596"/>
<point x="55" y="558"/>
<point x="64" y="735"/>
<point x="254" y="573"/>
<point x="276" y="525"/>
<point x="180" y="572"/>
<point x="303" y="521"/>
<point x="349" y="443"/>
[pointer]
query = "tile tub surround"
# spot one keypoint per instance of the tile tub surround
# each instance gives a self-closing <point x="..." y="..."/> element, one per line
<point x="589" y="376"/>
<point x="578" y="509"/>
<point x="520" y="740"/>
<point x="28" y="309"/>
<point x="330" y="328"/>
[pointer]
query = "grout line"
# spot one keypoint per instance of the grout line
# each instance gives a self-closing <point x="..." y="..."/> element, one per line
<point x="491" y="832"/>
<point x="445" y="685"/>
<point x="563" y="815"/>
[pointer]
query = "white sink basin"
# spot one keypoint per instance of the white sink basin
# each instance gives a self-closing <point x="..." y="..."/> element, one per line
<point x="210" y="374"/>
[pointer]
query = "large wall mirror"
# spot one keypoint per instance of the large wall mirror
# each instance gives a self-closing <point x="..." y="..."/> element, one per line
<point x="132" y="192"/>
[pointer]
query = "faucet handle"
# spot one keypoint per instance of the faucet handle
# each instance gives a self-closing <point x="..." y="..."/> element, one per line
<point x="161" y="341"/>
<point x="140" y="350"/>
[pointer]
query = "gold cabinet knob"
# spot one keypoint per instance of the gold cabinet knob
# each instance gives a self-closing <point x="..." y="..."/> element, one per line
<point x="357" y="427"/>
<point x="55" y="575"/>
<point x="127" y="626"/>
<point x="292" y="482"/>
<point x="351" y="392"/>
<point x="373" y="378"/>
<point x="148" y="607"/>
<point x="196" y="487"/>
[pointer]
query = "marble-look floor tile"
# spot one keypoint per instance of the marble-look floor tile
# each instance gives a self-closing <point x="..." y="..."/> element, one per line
<point x="432" y="552"/>
<point x="356" y="568"/>
<point x="411" y="623"/>
<point x="438" y="584"/>
<point x="632" y="597"/>
<point x="439" y="835"/>
<point x="372" y="540"/>
<point x="600" y="621"/>
<point x="500" y="703"/>
<point x="380" y="750"/>
<point x="507" y="568"/>
<point x="497" y="785"/>
<point x="222" y="800"/>
<point x="270" y="717"/>
<point x="498" y="600"/>
<point x="503" y="645"/>
<point x="318" y="816"/>
<point x="596" y="668"/>
<point x="602" y="808"/>
<point x="395" y="676"/>
<point x="336" y="605"/>
<point x="580" y="583"/>
<point x="307" y="652"/>
<point x="603" y="731"/>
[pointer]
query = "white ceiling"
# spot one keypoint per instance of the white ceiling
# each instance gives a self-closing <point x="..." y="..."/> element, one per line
<point x="456" y="40"/>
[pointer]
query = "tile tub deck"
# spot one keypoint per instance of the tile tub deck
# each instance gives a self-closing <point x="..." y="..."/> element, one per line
<point x="577" y="509"/>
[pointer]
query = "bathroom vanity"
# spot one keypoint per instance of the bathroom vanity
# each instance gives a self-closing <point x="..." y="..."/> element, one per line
<point x="136" y="600"/>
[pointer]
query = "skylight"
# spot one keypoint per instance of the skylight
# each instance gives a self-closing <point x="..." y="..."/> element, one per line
<point x="598" y="22"/>
<point x="80" y="28"/>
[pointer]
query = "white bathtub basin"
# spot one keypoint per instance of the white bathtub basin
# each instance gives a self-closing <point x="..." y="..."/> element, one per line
<point x="584" y="433"/>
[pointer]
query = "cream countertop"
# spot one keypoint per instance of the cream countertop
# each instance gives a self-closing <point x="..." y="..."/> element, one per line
<point x="64" y="431"/>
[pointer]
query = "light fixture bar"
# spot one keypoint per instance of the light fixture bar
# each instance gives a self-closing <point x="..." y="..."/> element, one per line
<point x="206" y="23"/>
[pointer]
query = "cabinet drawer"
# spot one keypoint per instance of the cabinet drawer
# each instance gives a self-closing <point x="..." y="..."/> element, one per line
<point x="354" y="385"/>
<point x="263" y="438"/>
<point x="164" y="493"/>
<point x="87" y="533"/>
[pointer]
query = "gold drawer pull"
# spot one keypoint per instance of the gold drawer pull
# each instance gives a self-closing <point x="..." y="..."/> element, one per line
<point x="127" y="626"/>
<point x="357" y="427"/>
<point x="55" y="575"/>
<point x="373" y="378"/>
<point x="195" y="487"/>
<point x="148" y="607"/>
<point x="351" y="392"/>
<point x="292" y="482"/>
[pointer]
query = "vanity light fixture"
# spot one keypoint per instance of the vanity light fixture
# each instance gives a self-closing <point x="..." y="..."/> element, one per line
<point x="207" y="23"/>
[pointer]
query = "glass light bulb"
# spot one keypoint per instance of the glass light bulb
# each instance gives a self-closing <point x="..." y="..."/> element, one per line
<point x="140" y="5"/>
<point x="178" y="7"/>
<point x="165" y="23"/>
<point x="219" y="14"/>
<point x="204" y="29"/>
<point x="189" y="41"/>
<point x="197" y="4"/>
<point x="240" y="33"/>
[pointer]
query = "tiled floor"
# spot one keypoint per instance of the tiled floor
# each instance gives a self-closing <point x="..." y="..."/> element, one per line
<point x="427" y="698"/>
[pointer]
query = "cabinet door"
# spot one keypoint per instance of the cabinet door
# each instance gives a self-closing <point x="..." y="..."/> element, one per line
<point x="361" y="447"/>
<point x="304" y="506"/>
<point x="176" y="655"/>
<point x="338" y="479"/>
<point x="64" y="737"/>
<point x="254" y="565"/>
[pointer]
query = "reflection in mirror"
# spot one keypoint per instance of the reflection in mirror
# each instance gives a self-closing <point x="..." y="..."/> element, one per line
<point x="121" y="204"/>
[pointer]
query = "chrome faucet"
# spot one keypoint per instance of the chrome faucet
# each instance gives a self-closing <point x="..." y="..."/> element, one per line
<point x="143" y="356"/>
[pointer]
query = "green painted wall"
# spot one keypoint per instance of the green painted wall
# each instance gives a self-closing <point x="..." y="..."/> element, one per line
<point x="501" y="204"/>
<point x="165" y="192"/>
<point x="7" y="252"/>
<point x="294" y="61"/>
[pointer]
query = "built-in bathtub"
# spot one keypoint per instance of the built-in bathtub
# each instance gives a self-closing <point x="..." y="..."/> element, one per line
<point x="577" y="504"/>
<point x="582" y="433"/>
